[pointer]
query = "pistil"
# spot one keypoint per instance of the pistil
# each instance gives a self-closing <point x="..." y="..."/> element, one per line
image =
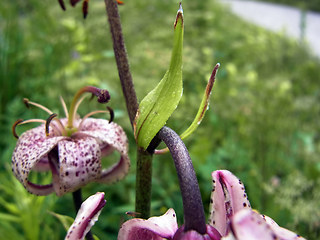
<point x="102" y="95"/>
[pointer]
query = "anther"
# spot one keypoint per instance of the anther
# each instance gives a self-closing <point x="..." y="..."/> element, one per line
<point x="111" y="114"/>
<point x="14" y="128"/>
<point x="62" y="5"/>
<point x="26" y="102"/>
<point x="73" y="2"/>
<point x="48" y="121"/>
<point x="85" y="6"/>
<point x="103" y="96"/>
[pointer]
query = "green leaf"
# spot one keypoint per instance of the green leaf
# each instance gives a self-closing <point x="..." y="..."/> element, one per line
<point x="156" y="108"/>
<point x="65" y="220"/>
<point x="204" y="106"/>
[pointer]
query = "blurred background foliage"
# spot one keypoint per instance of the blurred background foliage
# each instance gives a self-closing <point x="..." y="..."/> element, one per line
<point x="263" y="122"/>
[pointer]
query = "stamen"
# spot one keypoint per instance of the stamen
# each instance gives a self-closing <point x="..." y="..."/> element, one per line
<point x="98" y="111"/>
<point x="74" y="2"/>
<point x="102" y="95"/>
<point x="77" y="106"/>
<point x="62" y="5"/>
<point x="65" y="109"/>
<point x="28" y="103"/>
<point x="14" y="128"/>
<point x="20" y="122"/>
<point x="111" y="114"/>
<point x="85" y="6"/>
<point x="52" y="116"/>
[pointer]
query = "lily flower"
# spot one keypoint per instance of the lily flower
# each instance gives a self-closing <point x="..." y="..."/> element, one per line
<point x="86" y="217"/>
<point x="71" y="148"/>
<point x="231" y="218"/>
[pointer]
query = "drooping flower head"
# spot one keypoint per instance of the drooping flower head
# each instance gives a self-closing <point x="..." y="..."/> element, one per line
<point x="71" y="148"/>
<point x="231" y="218"/>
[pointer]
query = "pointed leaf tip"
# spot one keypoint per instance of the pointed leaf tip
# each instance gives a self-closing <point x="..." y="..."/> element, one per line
<point x="156" y="108"/>
<point x="179" y="17"/>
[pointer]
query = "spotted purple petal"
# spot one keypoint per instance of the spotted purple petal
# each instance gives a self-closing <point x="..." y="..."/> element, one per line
<point x="42" y="165"/>
<point x="280" y="231"/>
<point x="110" y="136"/>
<point x="228" y="197"/>
<point x="76" y="163"/>
<point x="86" y="217"/>
<point x="32" y="146"/>
<point x="155" y="228"/>
<point x="249" y="225"/>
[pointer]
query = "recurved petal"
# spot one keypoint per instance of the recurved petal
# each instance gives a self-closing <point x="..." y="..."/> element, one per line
<point x="116" y="172"/>
<point x="42" y="165"/>
<point x="32" y="146"/>
<point x="110" y="137"/>
<point x="228" y="197"/>
<point x="40" y="190"/>
<point x="155" y="228"/>
<point x="77" y="162"/>
<point x="86" y="217"/>
<point x="106" y="133"/>
<point x="280" y="231"/>
<point x="249" y="225"/>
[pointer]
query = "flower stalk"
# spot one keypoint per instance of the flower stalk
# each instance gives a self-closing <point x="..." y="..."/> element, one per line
<point x="194" y="218"/>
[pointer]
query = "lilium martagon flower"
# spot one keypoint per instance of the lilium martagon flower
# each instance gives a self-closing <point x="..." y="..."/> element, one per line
<point x="71" y="148"/>
<point x="231" y="218"/>
<point x="85" y="5"/>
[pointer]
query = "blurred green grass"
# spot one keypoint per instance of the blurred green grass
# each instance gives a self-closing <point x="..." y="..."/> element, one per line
<point x="263" y="121"/>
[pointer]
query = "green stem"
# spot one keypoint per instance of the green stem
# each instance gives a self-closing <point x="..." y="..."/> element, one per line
<point x="143" y="183"/>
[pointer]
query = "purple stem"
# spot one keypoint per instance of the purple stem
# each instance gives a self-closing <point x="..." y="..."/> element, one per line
<point x="144" y="158"/>
<point x="122" y="59"/>
<point x="194" y="218"/>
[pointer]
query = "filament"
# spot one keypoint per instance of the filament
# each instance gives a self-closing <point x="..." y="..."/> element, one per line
<point x="27" y="102"/>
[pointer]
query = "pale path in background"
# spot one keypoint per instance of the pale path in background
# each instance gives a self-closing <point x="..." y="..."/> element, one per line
<point x="280" y="18"/>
